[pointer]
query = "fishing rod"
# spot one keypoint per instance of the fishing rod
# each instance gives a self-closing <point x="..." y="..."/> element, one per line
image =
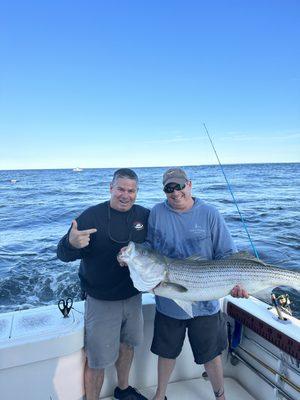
<point x="232" y="194"/>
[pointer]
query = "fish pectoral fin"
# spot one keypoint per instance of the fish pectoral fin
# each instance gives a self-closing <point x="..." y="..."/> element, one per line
<point x="175" y="286"/>
<point x="186" y="306"/>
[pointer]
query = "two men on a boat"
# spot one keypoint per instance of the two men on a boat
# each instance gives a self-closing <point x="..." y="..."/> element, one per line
<point x="113" y="314"/>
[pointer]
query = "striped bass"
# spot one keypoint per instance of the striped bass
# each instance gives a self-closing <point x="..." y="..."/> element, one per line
<point x="195" y="279"/>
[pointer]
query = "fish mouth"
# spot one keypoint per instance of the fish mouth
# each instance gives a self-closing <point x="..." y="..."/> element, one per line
<point x="125" y="255"/>
<point x="130" y="247"/>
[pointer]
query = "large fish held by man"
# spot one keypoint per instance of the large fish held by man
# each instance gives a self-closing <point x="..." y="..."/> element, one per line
<point x="196" y="279"/>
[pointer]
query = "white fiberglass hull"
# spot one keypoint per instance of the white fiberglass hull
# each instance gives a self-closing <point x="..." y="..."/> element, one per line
<point x="41" y="357"/>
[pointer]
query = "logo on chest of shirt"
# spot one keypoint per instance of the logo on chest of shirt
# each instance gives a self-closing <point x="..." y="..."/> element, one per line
<point x="138" y="226"/>
<point x="199" y="231"/>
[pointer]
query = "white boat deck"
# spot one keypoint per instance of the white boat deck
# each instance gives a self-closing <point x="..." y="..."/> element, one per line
<point x="40" y="342"/>
<point x="197" y="389"/>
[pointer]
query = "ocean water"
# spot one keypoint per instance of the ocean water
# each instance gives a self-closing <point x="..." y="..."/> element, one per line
<point x="37" y="207"/>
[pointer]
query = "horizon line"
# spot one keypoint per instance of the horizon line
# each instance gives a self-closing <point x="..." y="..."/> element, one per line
<point x="153" y="166"/>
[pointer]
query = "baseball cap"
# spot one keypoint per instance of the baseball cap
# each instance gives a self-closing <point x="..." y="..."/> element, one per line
<point x="174" y="175"/>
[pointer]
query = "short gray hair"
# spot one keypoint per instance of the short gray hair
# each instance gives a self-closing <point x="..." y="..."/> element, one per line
<point x="125" y="173"/>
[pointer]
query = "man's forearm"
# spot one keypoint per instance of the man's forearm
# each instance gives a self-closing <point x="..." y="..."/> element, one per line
<point x="66" y="252"/>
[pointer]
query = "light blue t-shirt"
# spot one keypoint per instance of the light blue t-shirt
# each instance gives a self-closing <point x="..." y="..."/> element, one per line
<point x="199" y="231"/>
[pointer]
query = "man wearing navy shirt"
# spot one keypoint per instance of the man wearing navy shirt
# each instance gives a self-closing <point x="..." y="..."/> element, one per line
<point x="113" y="312"/>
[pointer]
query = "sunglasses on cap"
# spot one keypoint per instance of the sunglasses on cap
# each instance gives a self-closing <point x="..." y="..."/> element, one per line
<point x="170" y="188"/>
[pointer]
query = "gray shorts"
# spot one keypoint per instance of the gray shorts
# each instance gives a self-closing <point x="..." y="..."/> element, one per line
<point x="109" y="323"/>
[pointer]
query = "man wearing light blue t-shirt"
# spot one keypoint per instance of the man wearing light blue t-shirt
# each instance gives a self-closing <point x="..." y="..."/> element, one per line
<point x="180" y="227"/>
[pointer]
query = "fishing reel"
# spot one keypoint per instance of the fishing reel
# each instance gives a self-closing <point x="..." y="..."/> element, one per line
<point x="285" y="303"/>
<point x="282" y="303"/>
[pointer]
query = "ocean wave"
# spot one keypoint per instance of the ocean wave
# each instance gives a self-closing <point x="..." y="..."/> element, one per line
<point x="47" y="287"/>
<point x="231" y="201"/>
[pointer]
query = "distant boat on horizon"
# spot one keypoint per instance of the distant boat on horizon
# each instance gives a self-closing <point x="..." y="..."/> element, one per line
<point x="77" y="169"/>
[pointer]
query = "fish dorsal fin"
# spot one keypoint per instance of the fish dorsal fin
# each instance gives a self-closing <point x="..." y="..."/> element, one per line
<point x="196" y="258"/>
<point x="244" y="255"/>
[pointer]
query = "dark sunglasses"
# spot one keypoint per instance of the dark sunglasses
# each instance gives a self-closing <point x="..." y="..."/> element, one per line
<point x="170" y="189"/>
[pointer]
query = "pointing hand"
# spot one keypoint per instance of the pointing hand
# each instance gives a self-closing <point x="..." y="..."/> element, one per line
<point x="80" y="239"/>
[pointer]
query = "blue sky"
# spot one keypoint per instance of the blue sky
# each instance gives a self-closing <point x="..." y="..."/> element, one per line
<point x="130" y="83"/>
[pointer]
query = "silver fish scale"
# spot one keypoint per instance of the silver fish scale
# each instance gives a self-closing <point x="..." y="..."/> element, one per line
<point x="196" y="279"/>
<point x="205" y="274"/>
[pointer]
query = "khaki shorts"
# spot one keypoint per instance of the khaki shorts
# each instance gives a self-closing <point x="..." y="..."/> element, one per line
<point x="109" y="323"/>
